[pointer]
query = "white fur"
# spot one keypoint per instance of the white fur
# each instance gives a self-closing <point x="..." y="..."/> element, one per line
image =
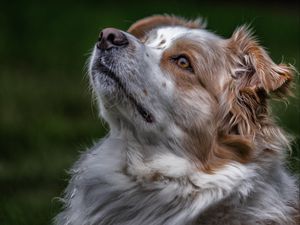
<point x="180" y="180"/>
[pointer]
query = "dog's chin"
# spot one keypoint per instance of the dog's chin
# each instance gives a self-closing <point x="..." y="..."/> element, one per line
<point x="108" y="84"/>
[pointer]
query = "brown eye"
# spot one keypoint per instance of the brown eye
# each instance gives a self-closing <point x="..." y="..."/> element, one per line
<point x="183" y="62"/>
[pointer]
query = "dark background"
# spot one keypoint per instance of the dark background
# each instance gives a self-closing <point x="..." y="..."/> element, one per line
<point x="46" y="113"/>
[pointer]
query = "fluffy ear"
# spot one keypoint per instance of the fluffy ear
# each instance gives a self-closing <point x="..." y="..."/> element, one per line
<point x="253" y="68"/>
<point x="141" y="27"/>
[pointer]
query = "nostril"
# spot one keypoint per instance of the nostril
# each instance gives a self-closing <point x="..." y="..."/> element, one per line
<point x="111" y="38"/>
<point x="120" y="39"/>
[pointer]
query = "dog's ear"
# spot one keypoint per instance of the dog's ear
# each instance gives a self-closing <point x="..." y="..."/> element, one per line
<point x="141" y="27"/>
<point x="252" y="68"/>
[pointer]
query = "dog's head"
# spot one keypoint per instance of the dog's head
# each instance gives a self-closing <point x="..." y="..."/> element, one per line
<point x="171" y="80"/>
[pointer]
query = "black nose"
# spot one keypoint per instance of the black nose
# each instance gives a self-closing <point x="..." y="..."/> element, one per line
<point x="111" y="37"/>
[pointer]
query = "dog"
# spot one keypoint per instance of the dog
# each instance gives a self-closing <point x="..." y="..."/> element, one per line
<point x="192" y="140"/>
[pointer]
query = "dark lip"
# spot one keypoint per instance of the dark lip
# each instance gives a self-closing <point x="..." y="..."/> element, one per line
<point x="148" y="117"/>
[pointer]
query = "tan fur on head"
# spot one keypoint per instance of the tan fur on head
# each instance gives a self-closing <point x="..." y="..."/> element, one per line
<point x="141" y="27"/>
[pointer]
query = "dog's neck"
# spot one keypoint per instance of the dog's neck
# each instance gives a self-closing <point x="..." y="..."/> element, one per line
<point x="168" y="135"/>
<point x="126" y="170"/>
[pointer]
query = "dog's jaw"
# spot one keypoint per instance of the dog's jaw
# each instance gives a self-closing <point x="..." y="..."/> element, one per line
<point x="112" y="79"/>
<point x="112" y="83"/>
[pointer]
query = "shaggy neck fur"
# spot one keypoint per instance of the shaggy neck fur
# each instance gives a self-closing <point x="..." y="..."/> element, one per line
<point x="115" y="183"/>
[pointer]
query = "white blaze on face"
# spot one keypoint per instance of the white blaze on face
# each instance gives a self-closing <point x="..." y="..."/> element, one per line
<point x="164" y="37"/>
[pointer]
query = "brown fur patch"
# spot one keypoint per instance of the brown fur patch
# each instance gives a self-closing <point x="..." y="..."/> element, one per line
<point x="244" y="113"/>
<point x="156" y="177"/>
<point x="141" y="27"/>
<point x="234" y="147"/>
<point x="213" y="154"/>
<point x="203" y="67"/>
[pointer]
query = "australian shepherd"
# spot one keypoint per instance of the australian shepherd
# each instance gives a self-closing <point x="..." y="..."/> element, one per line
<point x="192" y="140"/>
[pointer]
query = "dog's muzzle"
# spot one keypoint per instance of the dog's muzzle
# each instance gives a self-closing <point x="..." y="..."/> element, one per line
<point x="111" y="39"/>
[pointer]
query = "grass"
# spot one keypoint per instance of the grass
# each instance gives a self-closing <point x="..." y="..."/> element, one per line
<point x="46" y="113"/>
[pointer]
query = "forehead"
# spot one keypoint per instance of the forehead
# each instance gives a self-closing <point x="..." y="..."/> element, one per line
<point x="164" y="37"/>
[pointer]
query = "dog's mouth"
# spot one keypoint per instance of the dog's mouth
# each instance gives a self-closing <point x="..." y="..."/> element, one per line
<point x="147" y="116"/>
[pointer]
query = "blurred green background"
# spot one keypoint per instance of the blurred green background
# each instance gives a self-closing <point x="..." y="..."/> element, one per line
<point x="46" y="113"/>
